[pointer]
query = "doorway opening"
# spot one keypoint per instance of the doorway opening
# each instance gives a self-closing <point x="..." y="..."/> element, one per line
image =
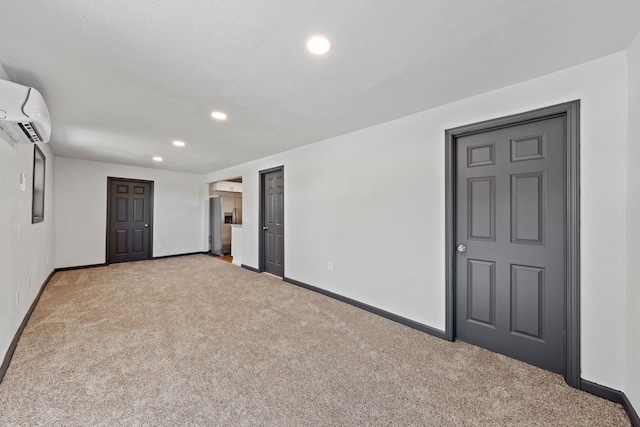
<point x="225" y="220"/>
<point x="512" y="190"/>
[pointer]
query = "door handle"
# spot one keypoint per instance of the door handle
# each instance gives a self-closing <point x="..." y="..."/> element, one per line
<point x="146" y="226"/>
<point x="264" y="228"/>
<point x="461" y="248"/>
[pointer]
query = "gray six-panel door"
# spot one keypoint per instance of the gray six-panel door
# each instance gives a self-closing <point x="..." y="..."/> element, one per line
<point x="129" y="216"/>
<point x="273" y="222"/>
<point x="510" y="239"/>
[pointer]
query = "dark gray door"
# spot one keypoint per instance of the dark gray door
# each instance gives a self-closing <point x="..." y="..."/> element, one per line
<point x="129" y="218"/>
<point x="273" y="222"/>
<point x="510" y="238"/>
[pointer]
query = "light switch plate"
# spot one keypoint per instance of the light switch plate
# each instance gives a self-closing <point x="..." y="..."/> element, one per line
<point x="23" y="181"/>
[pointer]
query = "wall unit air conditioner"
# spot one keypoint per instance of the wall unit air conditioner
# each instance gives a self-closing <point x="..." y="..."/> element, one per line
<point x="24" y="116"/>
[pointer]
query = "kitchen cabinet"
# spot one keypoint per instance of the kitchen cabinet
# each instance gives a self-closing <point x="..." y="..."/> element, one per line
<point x="229" y="186"/>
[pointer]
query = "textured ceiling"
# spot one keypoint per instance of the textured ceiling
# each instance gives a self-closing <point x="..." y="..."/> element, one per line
<point x="122" y="79"/>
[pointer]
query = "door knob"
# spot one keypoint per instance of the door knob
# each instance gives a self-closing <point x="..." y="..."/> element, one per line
<point x="264" y="228"/>
<point x="461" y="248"/>
<point x="146" y="226"/>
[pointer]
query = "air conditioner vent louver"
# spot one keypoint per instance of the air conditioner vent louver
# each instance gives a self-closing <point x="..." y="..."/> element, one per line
<point x="30" y="131"/>
<point x="25" y="118"/>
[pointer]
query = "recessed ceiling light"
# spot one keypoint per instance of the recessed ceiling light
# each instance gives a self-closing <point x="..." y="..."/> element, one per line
<point x="157" y="158"/>
<point x="178" y="143"/>
<point x="219" y="115"/>
<point x="318" y="45"/>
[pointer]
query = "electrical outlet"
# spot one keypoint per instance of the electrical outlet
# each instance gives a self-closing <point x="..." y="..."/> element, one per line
<point x="330" y="266"/>
<point x="28" y="282"/>
<point x="18" y="297"/>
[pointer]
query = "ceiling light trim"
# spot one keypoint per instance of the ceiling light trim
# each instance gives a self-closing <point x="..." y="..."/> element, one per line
<point x="319" y="44"/>
<point x="219" y="115"/>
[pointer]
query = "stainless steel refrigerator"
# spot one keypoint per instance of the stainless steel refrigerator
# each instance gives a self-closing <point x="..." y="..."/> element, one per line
<point x="223" y="212"/>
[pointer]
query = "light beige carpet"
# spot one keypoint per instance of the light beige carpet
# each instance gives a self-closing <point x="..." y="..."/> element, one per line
<point x="198" y="341"/>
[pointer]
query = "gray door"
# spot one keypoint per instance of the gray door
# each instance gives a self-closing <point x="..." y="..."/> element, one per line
<point x="129" y="218"/>
<point x="510" y="238"/>
<point x="273" y="222"/>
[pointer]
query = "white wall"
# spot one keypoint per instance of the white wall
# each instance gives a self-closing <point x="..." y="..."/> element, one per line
<point x="26" y="250"/>
<point x="372" y="202"/>
<point x="632" y="319"/>
<point x="81" y="210"/>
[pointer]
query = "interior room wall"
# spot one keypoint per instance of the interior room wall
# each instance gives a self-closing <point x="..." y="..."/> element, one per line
<point x="632" y="319"/>
<point x="372" y="202"/>
<point x="26" y="249"/>
<point x="81" y="208"/>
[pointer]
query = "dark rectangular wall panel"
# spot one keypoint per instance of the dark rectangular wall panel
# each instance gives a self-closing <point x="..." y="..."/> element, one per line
<point x="271" y="246"/>
<point x="138" y="240"/>
<point x="481" y="155"/>
<point x="138" y="210"/>
<point x="271" y="210"/>
<point x="280" y="250"/>
<point x="481" y="208"/>
<point x="527" y="296"/>
<point x="279" y="207"/>
<point x="527" y="208"/>
<point x="528" y="148"/>
<point x="122" y="209"/>
<point x="481" y="293"/>
<point x="121" y="241"/>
